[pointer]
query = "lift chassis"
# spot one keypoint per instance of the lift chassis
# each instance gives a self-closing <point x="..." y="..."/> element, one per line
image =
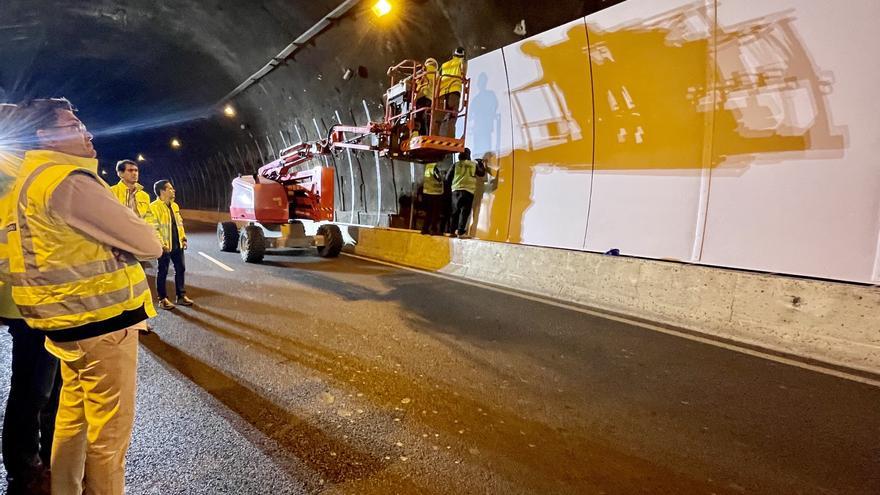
<point x="288" y="205"/>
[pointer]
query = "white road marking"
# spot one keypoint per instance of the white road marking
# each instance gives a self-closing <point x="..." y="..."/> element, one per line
<point x="656" y="328"/>
<point x="218" y="263"/>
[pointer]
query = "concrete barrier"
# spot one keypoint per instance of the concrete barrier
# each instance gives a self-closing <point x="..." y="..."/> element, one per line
<point x="204" y="215"/>
<point x="836" y="323"/>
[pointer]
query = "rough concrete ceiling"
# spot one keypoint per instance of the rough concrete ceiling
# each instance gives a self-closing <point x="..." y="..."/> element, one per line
<point x="142" y="70"/>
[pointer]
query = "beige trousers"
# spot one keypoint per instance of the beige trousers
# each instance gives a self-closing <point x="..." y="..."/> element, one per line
<point x="95" y="412"/>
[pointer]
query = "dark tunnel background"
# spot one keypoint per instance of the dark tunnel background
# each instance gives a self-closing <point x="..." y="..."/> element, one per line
<point x="143" y="72"/>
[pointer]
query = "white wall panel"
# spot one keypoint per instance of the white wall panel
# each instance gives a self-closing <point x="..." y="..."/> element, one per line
<point x="796" y="188"/>
<point x="651" y="79"/>
<point x="489" y="137"/>
<point x="551" y="106"/>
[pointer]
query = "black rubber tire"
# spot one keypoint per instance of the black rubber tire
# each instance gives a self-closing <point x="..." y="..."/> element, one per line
<point x="227" y="236"/>
<point x="252" y="244"/>
<point x="332" y="241"/>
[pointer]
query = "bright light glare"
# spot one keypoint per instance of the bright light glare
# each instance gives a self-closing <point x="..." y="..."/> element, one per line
<point x="381" y="8"/>
<point x="141" y="158"/>
<point x="229" y="110"/>
<point x="175" y="143"/>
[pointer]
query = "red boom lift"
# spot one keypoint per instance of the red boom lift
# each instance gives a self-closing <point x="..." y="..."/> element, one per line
<point x="271" y="205"/>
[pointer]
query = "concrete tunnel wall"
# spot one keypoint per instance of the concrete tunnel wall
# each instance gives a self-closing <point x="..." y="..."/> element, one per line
<point x="721" y="134"/>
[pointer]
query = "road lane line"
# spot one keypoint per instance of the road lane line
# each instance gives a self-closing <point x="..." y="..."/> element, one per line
<point x="218" y="263"/>
<point x="656" y="328"/>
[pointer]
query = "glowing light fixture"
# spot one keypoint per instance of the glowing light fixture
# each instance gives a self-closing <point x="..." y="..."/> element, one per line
<point x="141" y="158"/>
<point x="229" y="111"/>
<point x="381" y="8"/>
<point x="175" y="143"/>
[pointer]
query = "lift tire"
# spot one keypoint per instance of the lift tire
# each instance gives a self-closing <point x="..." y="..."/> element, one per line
<point x="332" y="240"/>
<point x="252" y="244"/>
<point x="227" y="236"/>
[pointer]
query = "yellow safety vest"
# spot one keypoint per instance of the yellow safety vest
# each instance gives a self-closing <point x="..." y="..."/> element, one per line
<point x="161" y="220"/>
<point x="427" y="88"/>
<point x="141" y="198"/>
<point x="430" y="184"/>
<point x="465" y="176"/>
<point x="456" y="66"/>
<point x="60" y="278"/>
<point x="9" y="167"/>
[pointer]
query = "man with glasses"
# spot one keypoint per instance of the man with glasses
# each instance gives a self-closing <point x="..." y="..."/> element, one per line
<point x="72" y="251"/>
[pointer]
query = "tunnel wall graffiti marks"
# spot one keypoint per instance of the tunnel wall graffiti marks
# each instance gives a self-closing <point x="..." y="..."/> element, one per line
<point x="715" y="141"/>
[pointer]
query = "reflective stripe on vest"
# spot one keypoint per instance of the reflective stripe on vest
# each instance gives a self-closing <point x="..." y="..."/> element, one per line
<point x="52" y="285"/>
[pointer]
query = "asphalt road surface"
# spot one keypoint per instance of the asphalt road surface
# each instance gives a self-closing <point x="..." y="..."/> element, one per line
<point x="306" y="375"/>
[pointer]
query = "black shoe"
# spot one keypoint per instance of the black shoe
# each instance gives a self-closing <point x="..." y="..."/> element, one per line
<point x="184" y="301"/>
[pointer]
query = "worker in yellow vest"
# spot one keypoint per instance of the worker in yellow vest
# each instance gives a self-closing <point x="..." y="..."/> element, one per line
<point x="464" y="185"/>
<point x="128" y="191"/>
<point x="74" y="275"/>
<point x="167" y="220"/>
<point x="432" y="197"/>
<point x="425" y="96"/>
<point x="32" y="402"/>
<point x="450" y="92"/>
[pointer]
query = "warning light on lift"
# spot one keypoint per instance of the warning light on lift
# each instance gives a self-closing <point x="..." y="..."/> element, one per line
<point x="381" y="8"/>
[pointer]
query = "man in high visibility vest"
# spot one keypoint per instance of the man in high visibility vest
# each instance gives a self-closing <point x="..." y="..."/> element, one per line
<point x="425" y="96"/>
<point x="128" y="191"/>
<point x="73" y="251"/>
<point x="450" y="92"/>
<point x="432" y="194"/>
<point x="464" y="185"/>
<point x="32" y="402"/>
<point x="167" y="220"/>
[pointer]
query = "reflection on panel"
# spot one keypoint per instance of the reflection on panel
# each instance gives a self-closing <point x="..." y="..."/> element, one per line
<point x="489" y="138"/>
<point x="551" y="105"/>
<point x="795" y="186"/>
<point x="650" y="61"/>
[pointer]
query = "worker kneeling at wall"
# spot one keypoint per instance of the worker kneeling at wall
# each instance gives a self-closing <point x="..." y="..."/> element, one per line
<point x="463" y="176"/>
<point x="74" y="275"/>
<point x="167" y="220"/>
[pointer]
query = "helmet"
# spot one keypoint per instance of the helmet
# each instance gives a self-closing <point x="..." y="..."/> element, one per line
<point x="459" y="52"/>
<point x="431" y="64"/>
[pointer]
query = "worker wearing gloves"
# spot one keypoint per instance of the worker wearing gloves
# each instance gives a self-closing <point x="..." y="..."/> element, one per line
<point x="167" y="220"/>
<point x="432" y="194"/>
<point x="464" y="184"/>
<point x="74" y="275"/>
<point x="450" y="92"/>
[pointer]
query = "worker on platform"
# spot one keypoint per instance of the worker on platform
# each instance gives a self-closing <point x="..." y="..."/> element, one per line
<point x="463" y="176"/>
<point x="450" y="92"/>
<point x="74" y="275"/>
<point x="432" y="195"/>
<point x="32" y="402"/>
<point x="425" y="96"/>
<point x="167" y="220"/>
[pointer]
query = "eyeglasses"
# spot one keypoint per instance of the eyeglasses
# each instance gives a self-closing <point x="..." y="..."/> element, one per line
<point x="79" y="127"/>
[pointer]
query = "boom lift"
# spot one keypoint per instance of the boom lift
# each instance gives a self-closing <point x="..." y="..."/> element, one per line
<point x="271" y="208"/>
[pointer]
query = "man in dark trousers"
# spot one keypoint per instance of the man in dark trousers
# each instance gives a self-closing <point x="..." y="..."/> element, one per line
<point x="29" y="421"/>
<point x="464" y="175"/>
<point x="167" y="220"/>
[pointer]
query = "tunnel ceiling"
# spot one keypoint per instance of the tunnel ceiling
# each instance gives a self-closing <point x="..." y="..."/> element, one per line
<point x="143" y="70"/>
